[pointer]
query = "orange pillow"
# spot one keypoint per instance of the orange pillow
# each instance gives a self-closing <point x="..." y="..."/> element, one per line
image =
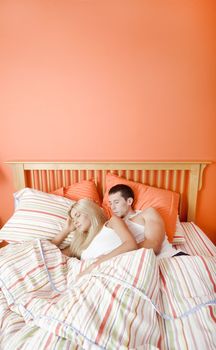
<point x="59" y="192"/>
<point x="78" y="190"/>
<point x="83" y="189"/>
<point x="166" y="202"/>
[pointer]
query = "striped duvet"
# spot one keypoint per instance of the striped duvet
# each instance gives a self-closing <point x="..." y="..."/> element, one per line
<point x="128" y="302"/>
<point x="196" y="242"/>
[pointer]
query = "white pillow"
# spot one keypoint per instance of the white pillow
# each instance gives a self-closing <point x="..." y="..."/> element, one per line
<point x="37" y="215"/>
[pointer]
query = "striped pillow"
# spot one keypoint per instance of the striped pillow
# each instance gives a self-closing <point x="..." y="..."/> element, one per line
<point x="37" y="215"/>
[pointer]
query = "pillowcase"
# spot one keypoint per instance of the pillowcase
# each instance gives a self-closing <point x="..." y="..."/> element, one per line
<point x="78" y="190"/>
<point x="82" y="189"/>
<point x="38" y="215"/>
<point x="165" y="201"/>
<point x="58" y="191"/>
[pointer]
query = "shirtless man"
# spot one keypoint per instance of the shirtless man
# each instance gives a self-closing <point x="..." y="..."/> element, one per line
<point x="147" y="226"/>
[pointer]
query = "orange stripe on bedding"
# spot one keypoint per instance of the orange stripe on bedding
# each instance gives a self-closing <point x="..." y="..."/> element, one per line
<point x="48" y="341"/>
<point x="139" y="269"/>
<point x="102" y="326"/>
<point x="212" y="314"/>
<point x="168" y="295"/>
<point x="55" y="266"/>
<point x="3" y="244"/>
<point x="159" y="342"/>
<point x="22" y="278"/>
<point x="201" y="239"/>
<point x="209" y="273"/>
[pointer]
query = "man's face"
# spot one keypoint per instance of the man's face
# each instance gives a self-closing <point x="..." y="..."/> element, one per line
<point x="119" y="206"/>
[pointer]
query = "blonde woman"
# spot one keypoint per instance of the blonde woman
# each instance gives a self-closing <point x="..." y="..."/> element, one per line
<point x="93" y="236"/>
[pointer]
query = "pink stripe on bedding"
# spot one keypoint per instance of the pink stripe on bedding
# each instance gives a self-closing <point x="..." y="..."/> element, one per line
<point x="209" y="273"/>
<point x="41" y="212"/>
<point x="197" y="243"/>
<point x="129" y="302"/>
<point x="186" y="281"/>
<point x="138" y="270"/>
<point x="103" y="324"/>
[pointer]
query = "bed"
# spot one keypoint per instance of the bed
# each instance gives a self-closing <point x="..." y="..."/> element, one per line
<point x="132" y="301"/>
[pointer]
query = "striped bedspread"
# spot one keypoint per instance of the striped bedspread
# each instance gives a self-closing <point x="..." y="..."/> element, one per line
<point x="128" y="302"/>
<point x="196" y="242"/>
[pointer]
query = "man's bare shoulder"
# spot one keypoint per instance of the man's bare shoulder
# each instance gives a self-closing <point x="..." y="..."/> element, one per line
<point x="149" y="211"/>
<point x="151" y="214"/>
<point x="113" y="221"/>
<point x="138" y="218"/>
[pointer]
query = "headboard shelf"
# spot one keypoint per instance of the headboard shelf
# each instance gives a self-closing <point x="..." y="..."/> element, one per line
<point x="182" y="177"/>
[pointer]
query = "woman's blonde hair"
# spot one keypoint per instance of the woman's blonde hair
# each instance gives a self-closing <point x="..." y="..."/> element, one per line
<point x="81" y="240"/>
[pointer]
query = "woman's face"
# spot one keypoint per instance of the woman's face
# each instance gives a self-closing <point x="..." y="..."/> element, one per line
<point x="81" y="221"/>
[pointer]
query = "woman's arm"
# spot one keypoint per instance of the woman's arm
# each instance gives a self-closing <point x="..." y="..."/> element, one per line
<point x="59" y="238"/>
<point x="127" y="238"/>
<point x="128" y="243"/>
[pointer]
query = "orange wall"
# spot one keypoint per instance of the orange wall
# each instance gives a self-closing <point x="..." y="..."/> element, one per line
<point x="108" y="80"/>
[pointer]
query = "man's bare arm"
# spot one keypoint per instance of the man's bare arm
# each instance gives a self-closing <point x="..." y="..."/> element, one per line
<point x="154" y="230"/>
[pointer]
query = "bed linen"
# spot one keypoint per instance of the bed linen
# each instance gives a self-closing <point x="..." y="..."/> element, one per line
<point x="129" y="302"/>
<point x="196" y="241"/>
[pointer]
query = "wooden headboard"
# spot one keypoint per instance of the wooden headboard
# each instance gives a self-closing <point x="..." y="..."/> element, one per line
<point x="182" y="177"/>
